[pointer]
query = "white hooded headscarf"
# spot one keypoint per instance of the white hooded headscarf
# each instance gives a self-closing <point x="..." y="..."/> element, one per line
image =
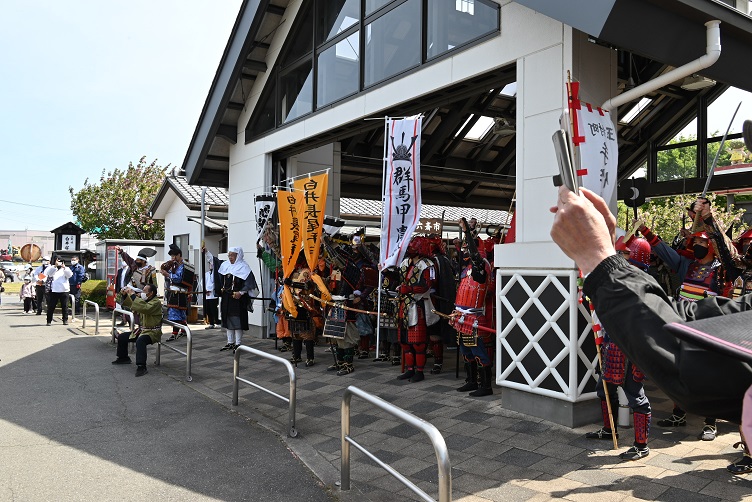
<point x="239" y="269"/>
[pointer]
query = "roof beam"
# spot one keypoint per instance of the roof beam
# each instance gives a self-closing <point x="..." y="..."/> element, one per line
<point x="217" y="158"/>
<point x="253" y="65"/>
<point x="228" y="132"/>
<point x="275" y="9"/>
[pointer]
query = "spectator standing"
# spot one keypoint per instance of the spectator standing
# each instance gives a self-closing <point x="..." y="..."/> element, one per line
<point x="58" y="276"/>
<point x="212" y="286"/>
<point x="39" y="278"/>
<point x="78" y="277"/>
<point x="27" y="295"/>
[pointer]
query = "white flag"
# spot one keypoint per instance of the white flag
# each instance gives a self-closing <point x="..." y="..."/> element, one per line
<point x="265" y="204"/>
<point x="595" y="138"/>
<point x="401" y="189"/>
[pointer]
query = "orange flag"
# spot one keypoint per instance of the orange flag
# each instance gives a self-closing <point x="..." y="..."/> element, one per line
<point x="290" y="231"/>
<point x="311" y="193"/>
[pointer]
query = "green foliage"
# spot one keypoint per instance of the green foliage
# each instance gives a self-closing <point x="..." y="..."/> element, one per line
<point x="666" y="216"/>
<point x="117" y="207"/>
<point x="95" y="291"/>
<point x="681" y="162"/>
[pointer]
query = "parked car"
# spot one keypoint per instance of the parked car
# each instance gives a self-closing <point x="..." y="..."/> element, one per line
<point x="10" y="270"/>
<point x="5" y="257"/>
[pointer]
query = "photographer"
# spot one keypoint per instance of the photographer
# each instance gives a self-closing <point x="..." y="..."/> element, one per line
<point x="633" y="309"/>
<point x="60" y="289"/>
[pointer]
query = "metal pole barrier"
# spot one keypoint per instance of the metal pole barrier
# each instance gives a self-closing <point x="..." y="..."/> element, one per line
<point x="437" y="440"/>
<point x="292" y="431"/>
<point x="188" y="350"/>
<point x="72" y="301"/>
<point x="129" y="315"/>
<point x="96" y="316"/>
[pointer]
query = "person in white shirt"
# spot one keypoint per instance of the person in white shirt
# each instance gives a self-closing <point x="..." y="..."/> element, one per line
<point x="60" y="289"/>
<point x="211" y="283"/>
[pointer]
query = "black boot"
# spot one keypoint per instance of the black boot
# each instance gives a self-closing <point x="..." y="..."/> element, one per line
<point x="471" y="381"/>
<point x="485" y="383"/>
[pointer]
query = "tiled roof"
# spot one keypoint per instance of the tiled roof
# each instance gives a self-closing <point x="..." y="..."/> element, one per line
<point x="191" y="194"/>
<point x="362" y="207"/>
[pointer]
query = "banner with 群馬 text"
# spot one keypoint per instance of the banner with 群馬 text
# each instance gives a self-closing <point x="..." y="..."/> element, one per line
<point x="311" y="193"/>
<point x="401" y="188"/>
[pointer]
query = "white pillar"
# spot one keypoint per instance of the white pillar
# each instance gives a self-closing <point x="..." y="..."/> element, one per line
<point x="545" y="347"/>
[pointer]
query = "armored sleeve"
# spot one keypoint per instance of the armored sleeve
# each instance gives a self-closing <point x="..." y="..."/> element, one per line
<point x="633" y="309"/>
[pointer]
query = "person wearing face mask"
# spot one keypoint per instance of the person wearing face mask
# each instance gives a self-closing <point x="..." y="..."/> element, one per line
<point x="27" y="295"/>
<point x="58" y="276"/>
<point x="38" y="277"/>
<point x="700" y="278"/>
<point x="148" y="331"/>
<point x="79" y="274"/>
<point x="474" y="303"/>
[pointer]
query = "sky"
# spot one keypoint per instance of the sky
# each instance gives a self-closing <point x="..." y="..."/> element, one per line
<point x="91" y="85"/>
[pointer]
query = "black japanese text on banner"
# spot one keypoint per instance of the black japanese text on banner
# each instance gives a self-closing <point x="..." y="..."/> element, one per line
<point x="265" y="204"/>
<point x="401" y="183"/>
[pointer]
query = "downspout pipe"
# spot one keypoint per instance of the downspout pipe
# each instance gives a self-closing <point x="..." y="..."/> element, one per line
<point x="712" y="53"/>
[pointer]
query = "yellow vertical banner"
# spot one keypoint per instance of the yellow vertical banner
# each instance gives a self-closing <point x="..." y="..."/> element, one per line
<point x="311" y="193"/>
<point x="290" y="231"/>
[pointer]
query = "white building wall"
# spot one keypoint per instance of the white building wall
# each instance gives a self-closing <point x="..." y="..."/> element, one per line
<point x="539" y="46"/>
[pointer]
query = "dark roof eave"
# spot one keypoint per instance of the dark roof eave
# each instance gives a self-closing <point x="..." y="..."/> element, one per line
<point x="242" y="36"/>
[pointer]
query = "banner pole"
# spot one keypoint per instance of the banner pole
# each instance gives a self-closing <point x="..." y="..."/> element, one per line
<point x="381" y="232"/>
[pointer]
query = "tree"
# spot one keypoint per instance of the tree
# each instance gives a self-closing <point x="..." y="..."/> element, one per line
<point x="665" y="216"/>
<point x="681" y="161"/>
<point x="117" y="207"/>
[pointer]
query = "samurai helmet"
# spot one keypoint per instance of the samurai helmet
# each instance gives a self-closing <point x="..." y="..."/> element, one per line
<point x="419" y="246"/>
<point x="639" y="253"/>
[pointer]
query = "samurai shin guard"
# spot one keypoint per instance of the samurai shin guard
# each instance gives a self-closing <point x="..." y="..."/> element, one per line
<point x="297" y="348"/>
<point x="606" y="420"/>
<point x="641" y="428"/>
<point x="420" y="356"/>
<point x="485" y="382"/>
<point x="437" y="347"/>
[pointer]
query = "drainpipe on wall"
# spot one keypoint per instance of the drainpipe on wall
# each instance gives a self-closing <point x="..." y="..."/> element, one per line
<point x="712" y="53"/>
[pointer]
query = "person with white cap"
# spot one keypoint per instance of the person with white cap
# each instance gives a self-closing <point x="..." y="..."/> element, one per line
<point x="27" y="295"/>
<point x="39" y="278"/>
<point x="238" y="289"/>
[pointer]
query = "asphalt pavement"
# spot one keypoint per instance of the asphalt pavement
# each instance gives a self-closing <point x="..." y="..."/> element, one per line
<point x="74" y="427"/>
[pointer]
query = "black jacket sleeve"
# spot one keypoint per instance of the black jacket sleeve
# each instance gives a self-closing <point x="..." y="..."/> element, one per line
<point x="633" y="309"/>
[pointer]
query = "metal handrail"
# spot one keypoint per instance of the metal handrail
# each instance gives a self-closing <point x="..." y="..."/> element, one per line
<point x="292" y="431"/>
<point x="437" y="440"/>
<point x="126" y="313"/>
<point x="188" y="350"/>
<point x="96" y="316"/>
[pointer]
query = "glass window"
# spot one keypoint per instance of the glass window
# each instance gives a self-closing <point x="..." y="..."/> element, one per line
<point x="296" y="92"/>
<point x="338" y="70"/>
<point x="677" y="163"/>
<point x="452" y="23"/>
<point x="302" y="42"/>
<point x="374" y="5"/>
<point x="264" y="120"/>
<point x="336" y="16"/>
<point x="393" y="42"/>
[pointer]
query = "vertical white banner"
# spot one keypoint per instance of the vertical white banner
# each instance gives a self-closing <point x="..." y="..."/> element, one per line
<point x="265" y="204"/>
<point x="401" y="188"/>
<point x="599" y="150"/>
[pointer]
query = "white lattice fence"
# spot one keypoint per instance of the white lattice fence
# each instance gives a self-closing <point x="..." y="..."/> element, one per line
<point x="543" y="345"/>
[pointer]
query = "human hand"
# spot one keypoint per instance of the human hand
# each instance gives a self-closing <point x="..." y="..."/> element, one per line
<point x="583" y="228"/>
<point x="702" y="207"/>
<point x="463" y="224"/>
<point x="236" y="295"/>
